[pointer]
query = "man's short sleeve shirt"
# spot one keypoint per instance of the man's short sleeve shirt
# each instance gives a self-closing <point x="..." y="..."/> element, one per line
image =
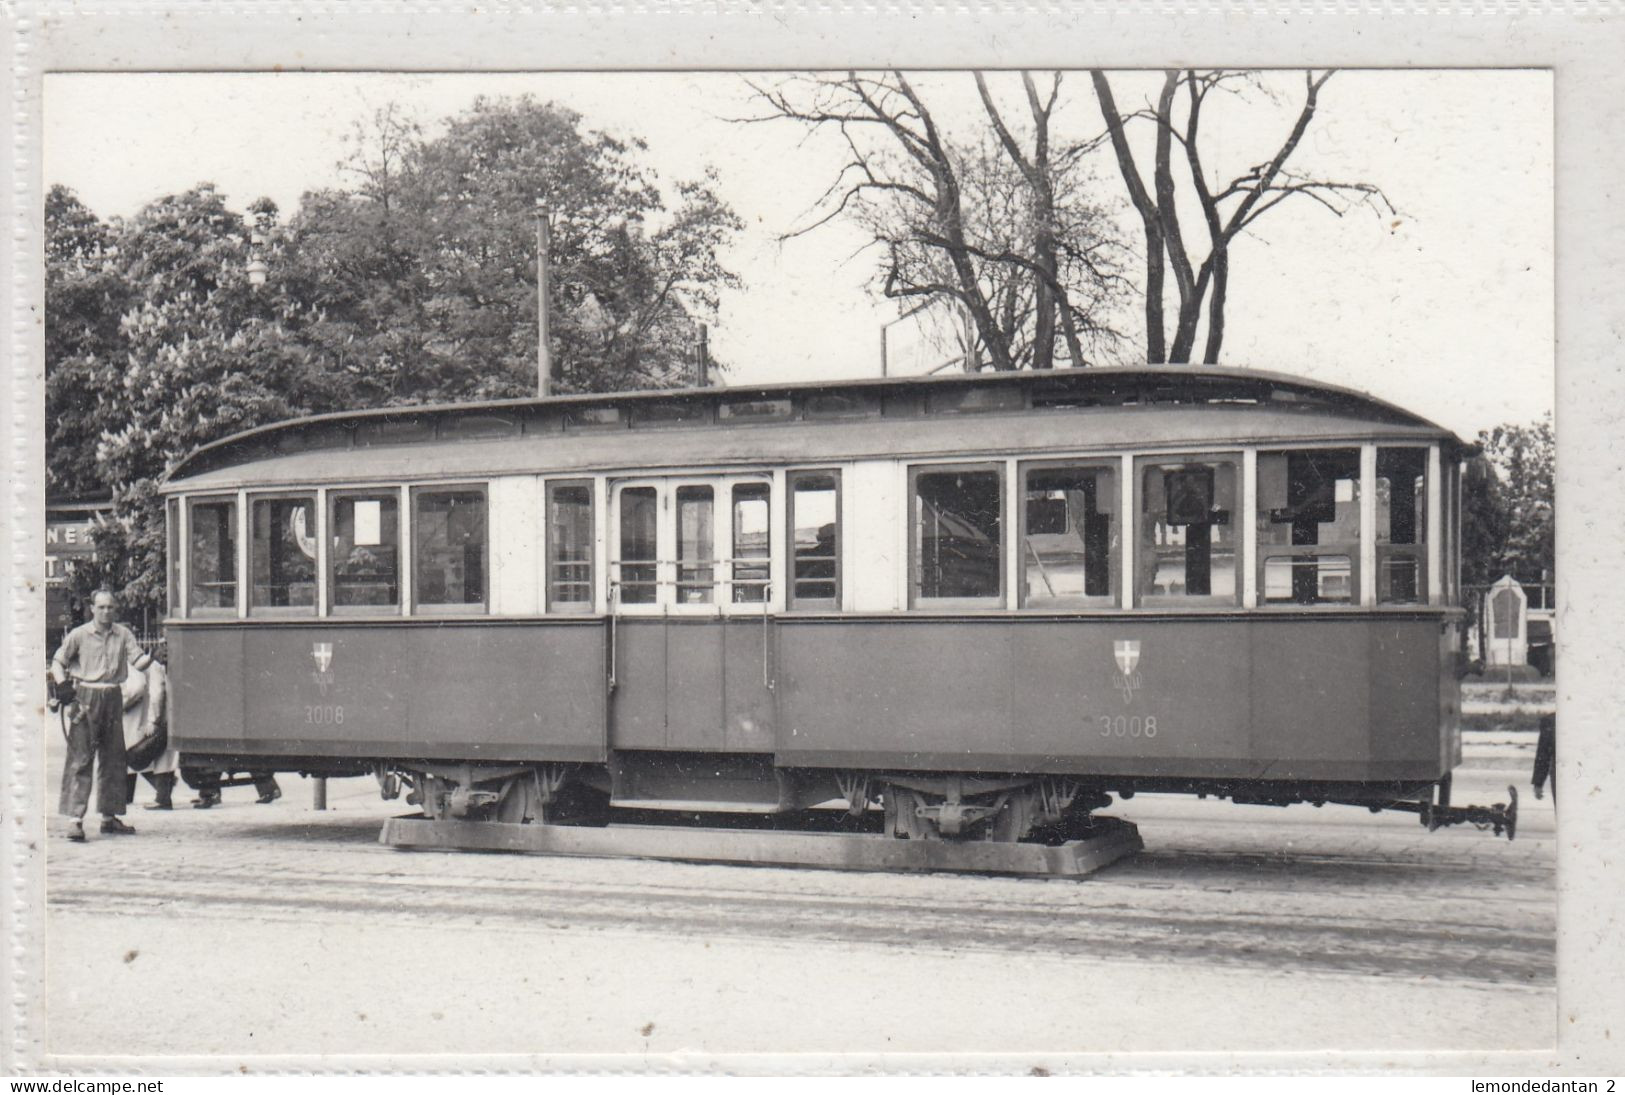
<point x="97" y="658"/>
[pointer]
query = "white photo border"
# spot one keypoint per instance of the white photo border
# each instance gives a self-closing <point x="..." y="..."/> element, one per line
<point x="1580" y="42"/>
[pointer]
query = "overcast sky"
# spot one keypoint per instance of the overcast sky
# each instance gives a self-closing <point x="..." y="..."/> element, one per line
<point x="1446" y="308"/>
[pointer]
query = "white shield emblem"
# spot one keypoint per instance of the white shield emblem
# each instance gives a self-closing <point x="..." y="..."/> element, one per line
<point x="1128" y="655"/>
<point x="324" y="656"/>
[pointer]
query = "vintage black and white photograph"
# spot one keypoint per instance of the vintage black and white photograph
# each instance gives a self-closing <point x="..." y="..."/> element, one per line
<point x="1018" y="562"/>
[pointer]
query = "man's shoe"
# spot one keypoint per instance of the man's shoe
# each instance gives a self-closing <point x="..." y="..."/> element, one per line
<point x="76" y="832"/>
<point x="162" y="804"/>
<point x="270" y="796"/>
<point x="115" y="826"/>
<point x="204" y="802"/>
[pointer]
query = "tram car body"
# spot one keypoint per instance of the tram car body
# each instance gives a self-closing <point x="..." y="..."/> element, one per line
<point x="979" y="605"/>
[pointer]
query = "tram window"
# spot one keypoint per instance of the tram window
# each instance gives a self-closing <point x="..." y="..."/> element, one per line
<point x="282" y="555"/>
<point x="1307" y="579"/>
<point x="448" y="550"/>
<point x="1068" y="536"/>
<point x="638" y="568"/>
<point x="569" y="547"/>
<point x="815" y="533"/>
<point x="957" y="543"/>
<point x="1187" y="540"/>
<point x="1308" y="523"/>
<point x="755" y="409"/>
<point x="212" y="566"/>
<point x="1402" y="523"/>
<point x="364" y="553"/>
<point x="752" y="549"/>
<point x="696" y="545"/>
<point x="836" y="405"/>
<point x="172" y="551"/>
<point x="671" y="412"/>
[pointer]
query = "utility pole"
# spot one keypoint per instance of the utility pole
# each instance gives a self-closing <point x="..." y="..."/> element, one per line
<point x="544" y="355"/>
<point x="702" y="359"/>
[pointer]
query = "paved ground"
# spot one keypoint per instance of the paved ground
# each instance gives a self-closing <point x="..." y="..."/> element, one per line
<point x="252" y="930"/>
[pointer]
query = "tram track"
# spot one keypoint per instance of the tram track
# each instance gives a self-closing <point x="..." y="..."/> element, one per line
<point x="1275" y="913"/>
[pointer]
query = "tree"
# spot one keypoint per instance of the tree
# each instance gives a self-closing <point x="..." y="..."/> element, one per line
<point x="1228" y="206"/>
<point x="84" y="297"/>
<point x="424" y="273"/>
<point x="196" y="354"/>
<point x="1002" y="225"/>
<point x="1509" y="500"/>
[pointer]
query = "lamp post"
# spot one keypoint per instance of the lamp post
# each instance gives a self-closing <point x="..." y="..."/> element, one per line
<point x="544" y="354"/>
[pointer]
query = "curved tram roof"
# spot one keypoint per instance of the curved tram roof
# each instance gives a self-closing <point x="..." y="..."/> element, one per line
<point x="922" y="417"/>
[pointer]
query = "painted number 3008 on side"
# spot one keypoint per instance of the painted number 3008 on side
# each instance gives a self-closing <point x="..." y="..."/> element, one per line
<point x="325" y="714"/>
<point x="1128" y="726"/>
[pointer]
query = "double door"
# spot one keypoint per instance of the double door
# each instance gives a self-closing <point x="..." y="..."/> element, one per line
<point x="691" y="598"/>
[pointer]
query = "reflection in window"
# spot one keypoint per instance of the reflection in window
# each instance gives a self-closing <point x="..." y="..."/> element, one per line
<point x="1067" y="539"/>
<point x="366" y="551"/>
<point x="213" y="565"/>
<point x="1401" y="525"/>
<point x="569" y="546"/>
<point x="957" y="547"/>
<point x="1308" y="525"/>
<point x="1187" y="547"/>
<point x="448" y="550"/>
<point x="638" y="546"/>
<point x="815" y="533"/>
<point x="1308" y="579"/>
<point x="282" y="553"/>
<point x="751" y="548"/>
<point x="696" y="550"/>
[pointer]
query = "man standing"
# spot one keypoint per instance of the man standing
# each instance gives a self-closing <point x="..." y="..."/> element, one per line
<point x="88" y="671"/>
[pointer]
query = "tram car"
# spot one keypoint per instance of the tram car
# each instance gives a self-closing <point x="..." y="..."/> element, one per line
<point x="974" y="607"/>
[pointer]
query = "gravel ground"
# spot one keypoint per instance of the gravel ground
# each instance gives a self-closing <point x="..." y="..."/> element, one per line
<point x="249" y="932"/>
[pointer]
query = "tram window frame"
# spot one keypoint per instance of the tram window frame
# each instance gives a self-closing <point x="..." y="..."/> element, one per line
<point x="552" y="583"/>
<point x="194" y="610"/>
<point x="255" y="500"/>
<point x="1114" y="541"/>
<point x="793" y="599"/>
<point x="390" y="495"/>
<point x="916" y="598"/>
<point x="647" y="583"/>
<point x="1144" y="546"/>
<point x="1416" y="549"/>
<point x="172" y="548"/>
<point x="743" y="587"/>
<point x="697" y="575"/>
<point x="420" y="607"/>
<point x="1336" y="557"/>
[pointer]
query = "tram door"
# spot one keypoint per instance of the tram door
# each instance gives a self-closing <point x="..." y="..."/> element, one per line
<point x="691" y="603"/>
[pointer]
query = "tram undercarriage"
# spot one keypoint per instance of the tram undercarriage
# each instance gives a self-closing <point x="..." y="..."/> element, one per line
<point x="978" y="822"/>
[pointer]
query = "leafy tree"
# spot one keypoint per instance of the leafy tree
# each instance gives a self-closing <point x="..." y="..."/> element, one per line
<point x="1508" y="527"/>
<point x="84" y="297"/>
<point x="424" y="274"/>
<point x="197" y="354"/>
<point x="1003" y="225"/>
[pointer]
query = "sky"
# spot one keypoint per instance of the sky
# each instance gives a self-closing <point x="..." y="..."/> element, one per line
<point x="1444" y="307"/>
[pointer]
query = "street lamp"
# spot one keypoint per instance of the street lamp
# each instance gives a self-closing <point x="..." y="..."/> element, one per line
<point x="257" y="268"/>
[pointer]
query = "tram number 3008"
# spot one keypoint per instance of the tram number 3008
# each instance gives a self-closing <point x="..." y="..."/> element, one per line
<point x="1128" y="726"/>
<point x="324" y="714"/>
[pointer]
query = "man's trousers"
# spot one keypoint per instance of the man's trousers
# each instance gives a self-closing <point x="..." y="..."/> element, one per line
<point x="95" y="740"/>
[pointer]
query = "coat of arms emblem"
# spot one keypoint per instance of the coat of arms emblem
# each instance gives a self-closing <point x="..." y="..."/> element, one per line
<point x="1128" y="655"/>
<point x="324" y="656"/>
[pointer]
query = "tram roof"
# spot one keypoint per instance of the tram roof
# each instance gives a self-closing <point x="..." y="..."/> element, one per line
<point x="890" y="416"/>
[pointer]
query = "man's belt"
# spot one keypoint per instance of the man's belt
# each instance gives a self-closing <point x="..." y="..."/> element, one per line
<point x="94" y="684"/>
